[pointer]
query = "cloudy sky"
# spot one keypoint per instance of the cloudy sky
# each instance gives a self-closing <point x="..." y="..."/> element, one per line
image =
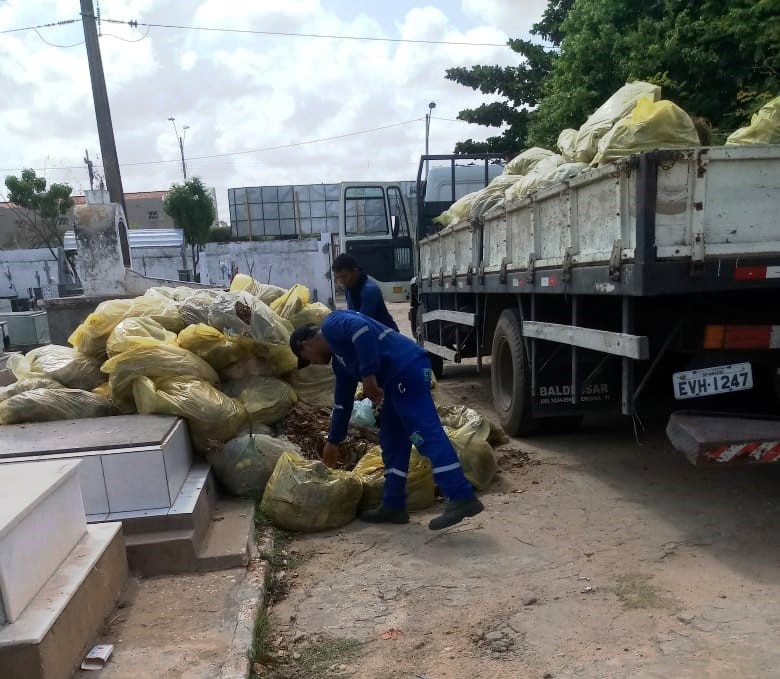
<point x="240" y="92"/>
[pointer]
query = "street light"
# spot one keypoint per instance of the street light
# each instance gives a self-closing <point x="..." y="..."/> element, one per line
<point x="181" y="145"/>
<point x="428" y="115"/>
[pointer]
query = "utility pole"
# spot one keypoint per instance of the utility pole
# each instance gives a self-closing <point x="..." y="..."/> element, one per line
<point x="90" y="170"/>
<point x="180" y="139"/>
<point x="103" y="116"/>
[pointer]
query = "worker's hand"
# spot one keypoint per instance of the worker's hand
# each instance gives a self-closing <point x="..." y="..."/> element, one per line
<point x="372" y="390"/>
<point x="330" y="454"/>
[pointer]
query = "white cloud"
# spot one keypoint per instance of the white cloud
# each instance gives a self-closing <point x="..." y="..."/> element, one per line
<point x="238" y="92"/>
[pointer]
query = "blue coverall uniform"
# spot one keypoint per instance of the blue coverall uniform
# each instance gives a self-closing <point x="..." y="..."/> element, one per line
<point x="367" y="299"/>
<point x="361" y="346"/>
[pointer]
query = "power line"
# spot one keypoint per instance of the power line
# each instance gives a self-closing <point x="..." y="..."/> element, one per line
<point x="289" y="34"/>
<point x="246" y="152"/>
<point x="51" y="44"/>
<point x="64" y="22"/>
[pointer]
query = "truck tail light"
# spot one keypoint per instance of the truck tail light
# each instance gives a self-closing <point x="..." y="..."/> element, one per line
<point x="742" y="337"/>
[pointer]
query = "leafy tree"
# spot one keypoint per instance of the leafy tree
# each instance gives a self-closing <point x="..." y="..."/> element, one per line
<point x="192" y="209"/>
<point x="718" y="59"/>
<point x="41" y="209"/>
<point x="520" y="86"/>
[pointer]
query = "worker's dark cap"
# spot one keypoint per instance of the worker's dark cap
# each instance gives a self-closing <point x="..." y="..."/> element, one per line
<point x="345" y="262"/>
<point x="298" y="337"/>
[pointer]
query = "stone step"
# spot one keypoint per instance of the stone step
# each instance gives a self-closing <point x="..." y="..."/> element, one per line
<point x="41" y="521"/>
<point x="224" y="541"/>
<point x="57" y="628"/>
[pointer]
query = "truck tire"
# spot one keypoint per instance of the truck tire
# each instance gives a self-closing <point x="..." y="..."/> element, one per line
<point x="509" y="376"/>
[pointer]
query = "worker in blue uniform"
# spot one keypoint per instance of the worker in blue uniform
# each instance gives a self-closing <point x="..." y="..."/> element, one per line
<point x="395" y="372"/>
<point x="363" y="294"/>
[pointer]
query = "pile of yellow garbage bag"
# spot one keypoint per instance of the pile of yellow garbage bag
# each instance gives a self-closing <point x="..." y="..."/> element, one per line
<point x="220" y="359"/>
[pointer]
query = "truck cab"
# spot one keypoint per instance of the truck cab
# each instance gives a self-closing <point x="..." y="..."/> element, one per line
<point x="375" y="227"/>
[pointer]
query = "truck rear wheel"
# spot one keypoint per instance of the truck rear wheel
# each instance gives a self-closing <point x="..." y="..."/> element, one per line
<point x="509" y="376"/>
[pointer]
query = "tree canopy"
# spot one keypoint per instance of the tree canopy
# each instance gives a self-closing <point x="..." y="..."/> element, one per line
<point x="40" y="209"/>
<point x="718" y="59"/>
<point x="192" y="209"/>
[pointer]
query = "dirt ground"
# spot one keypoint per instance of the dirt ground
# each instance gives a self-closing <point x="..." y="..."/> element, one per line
<point x="597" y="556"/>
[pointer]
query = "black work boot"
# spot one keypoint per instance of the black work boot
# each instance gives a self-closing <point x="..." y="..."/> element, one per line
<point x="455" y="511"/>
<point x="384" y="514"/>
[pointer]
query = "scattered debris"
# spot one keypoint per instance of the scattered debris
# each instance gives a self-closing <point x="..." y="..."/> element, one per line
<point x="391" y="634"/>
<point x="97" y="657"/>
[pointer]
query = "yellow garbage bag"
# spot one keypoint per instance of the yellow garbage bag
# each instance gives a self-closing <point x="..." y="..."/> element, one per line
<point x="527" y="160"/>
<point x="161" y="361"/>
<point x="567" y="145"/>
<point x="27" y="384"/>
<point x="492" y="195"/>
<point x="305" y="495"/>
<point x="479" y="426"/>
<point x="61" y="364"/>
<point x="267" y="399"/>
<point x="651" y="125"/>
<point x="213" y="417"/>
<point x="245" y="464"/>
<point x="459" y="211"/>
<point x="213" y="346"/>
<point x="291" y="302"/>
<point x="540" y="175"/>
<point x="90" y="337"/>
<point x="254" y="366"/>
<point x="618" y="106"/>
<point x="266" y="292"/>
<point x="278" y="357"/>
<point x="473" y="437"/>
<point x="764" y="127"/>
<point x="137" y="332"/>
<point x="314" y="385"/>
<point x="314" y="312"/>
<point x="420" y="487"/>
<point x="46" y="405"/>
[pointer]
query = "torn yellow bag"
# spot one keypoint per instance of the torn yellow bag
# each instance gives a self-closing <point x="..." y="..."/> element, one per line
<point x="266" y="292"/>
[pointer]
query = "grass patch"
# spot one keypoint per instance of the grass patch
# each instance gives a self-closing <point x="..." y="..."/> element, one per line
<point x="635" y="591"/>
<point x="317" y="659"/>
<point x="261" y="640"/>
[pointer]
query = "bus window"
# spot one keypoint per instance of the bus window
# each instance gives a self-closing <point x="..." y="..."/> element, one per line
<point x="364" y="211"/>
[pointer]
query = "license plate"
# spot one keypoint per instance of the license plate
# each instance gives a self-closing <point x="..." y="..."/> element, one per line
<point x="711" y="381"/>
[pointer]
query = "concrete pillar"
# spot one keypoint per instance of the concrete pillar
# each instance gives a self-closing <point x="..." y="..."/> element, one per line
<point x="99" y="252"/>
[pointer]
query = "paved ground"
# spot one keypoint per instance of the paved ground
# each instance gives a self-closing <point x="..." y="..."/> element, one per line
<point x="597" y="557"/>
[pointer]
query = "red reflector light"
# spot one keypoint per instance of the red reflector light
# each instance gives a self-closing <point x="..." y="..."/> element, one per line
<point x="740" y="336"/>
<point x="749" y="273"/>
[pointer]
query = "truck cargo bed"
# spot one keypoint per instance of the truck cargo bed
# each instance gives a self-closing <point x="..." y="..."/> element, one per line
<point x="664" y="222"/>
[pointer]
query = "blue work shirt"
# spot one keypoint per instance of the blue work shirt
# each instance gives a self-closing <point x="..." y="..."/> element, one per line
<point x="367" y="299"/>
<point x="361" y="347"/>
